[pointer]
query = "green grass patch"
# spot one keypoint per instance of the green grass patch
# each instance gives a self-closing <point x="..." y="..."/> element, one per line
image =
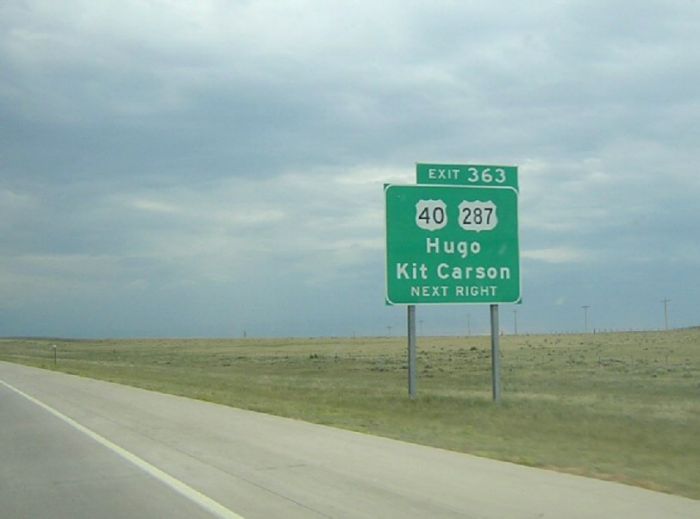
<point x="624" y="406"/>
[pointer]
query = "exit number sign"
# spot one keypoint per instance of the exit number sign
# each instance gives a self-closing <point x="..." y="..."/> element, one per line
<point x="467" y="175"/>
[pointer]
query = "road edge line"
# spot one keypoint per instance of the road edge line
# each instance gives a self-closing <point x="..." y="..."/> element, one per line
<point x="175" y="484"/>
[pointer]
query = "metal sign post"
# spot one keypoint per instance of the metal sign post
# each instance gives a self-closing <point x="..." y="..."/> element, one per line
<point x="495" y="355"/>
<point x="412" y="353"/>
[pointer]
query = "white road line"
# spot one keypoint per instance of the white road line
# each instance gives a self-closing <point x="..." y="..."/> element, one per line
<point x="181" y="488"/>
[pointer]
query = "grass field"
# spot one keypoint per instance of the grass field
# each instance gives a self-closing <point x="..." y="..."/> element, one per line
<point x="623" y="406"/>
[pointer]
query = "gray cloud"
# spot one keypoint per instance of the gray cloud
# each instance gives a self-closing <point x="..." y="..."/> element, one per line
<point x="202" y="168"/>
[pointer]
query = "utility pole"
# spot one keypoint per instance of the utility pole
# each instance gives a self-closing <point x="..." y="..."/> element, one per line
<point x="666" y="301"/>
<point x="585" y="317"/>
<point x="515" y="322"/>
<point x="388" y="328"/>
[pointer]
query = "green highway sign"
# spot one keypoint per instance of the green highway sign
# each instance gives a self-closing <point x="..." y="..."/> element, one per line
<point x="467" y="175"/>
<point x="452" y="244"/>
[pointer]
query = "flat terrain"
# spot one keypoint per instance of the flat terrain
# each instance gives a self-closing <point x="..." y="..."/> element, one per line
<point x="89" y="448"/>
<point x="623" y="406"/>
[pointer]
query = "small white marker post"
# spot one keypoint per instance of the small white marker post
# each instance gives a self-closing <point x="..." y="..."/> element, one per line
<point x="55" y="355"/>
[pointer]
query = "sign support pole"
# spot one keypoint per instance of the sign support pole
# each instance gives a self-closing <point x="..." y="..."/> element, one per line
<point x="495" y="355"/>
<point x="412" y="352"/>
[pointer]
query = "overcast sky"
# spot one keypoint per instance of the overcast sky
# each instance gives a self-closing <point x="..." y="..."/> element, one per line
<point x="211" y="167"/>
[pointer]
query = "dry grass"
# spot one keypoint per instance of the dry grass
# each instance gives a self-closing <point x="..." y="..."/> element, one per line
<point x="624" y="407"/>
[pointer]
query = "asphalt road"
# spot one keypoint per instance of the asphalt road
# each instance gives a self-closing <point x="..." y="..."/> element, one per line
<point x="75" y="447"/>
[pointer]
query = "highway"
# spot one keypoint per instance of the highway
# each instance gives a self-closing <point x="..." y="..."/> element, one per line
<point x="73" y="447"/>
